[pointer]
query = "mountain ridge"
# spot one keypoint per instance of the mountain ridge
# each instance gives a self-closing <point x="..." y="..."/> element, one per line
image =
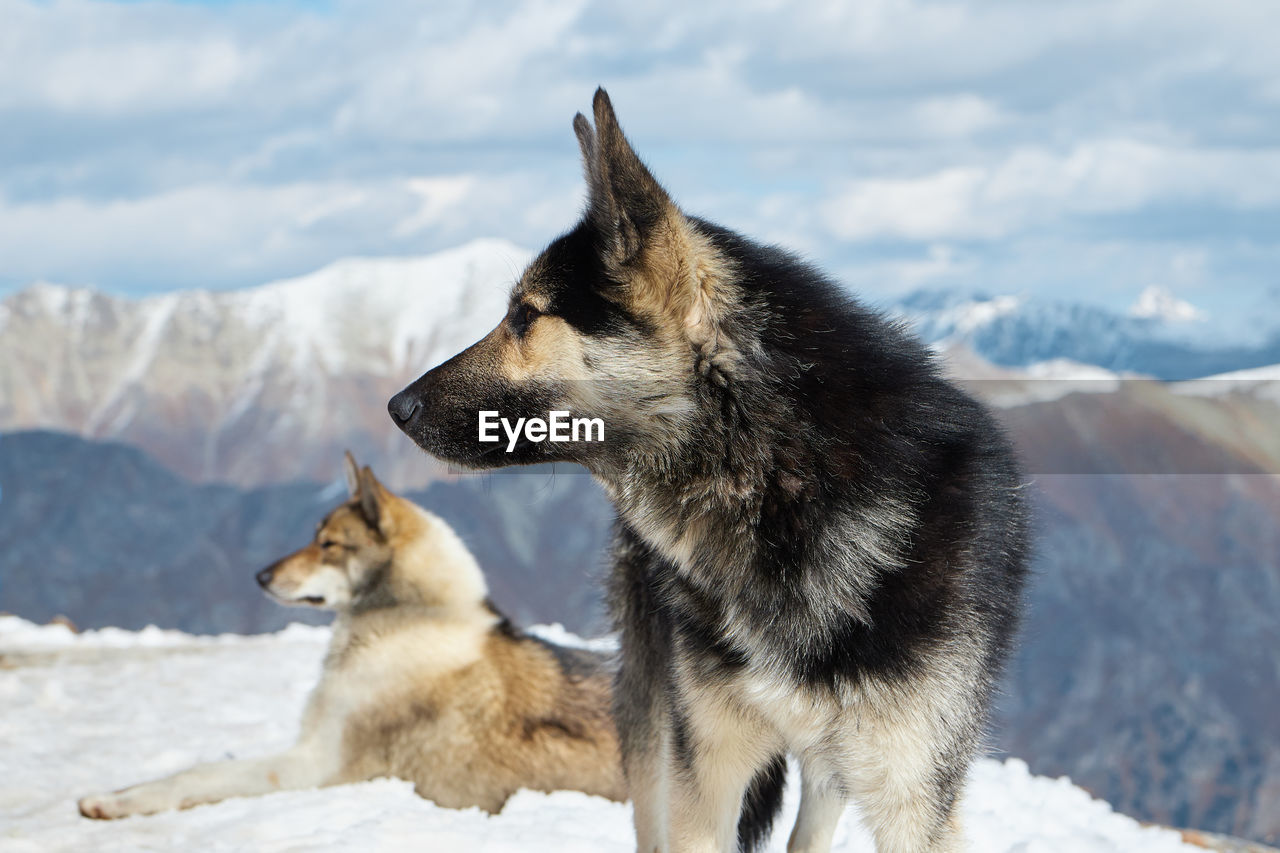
<point x="264" y="384"/>
<point x="228" y="386"/>
<point x="1015" y="331"/>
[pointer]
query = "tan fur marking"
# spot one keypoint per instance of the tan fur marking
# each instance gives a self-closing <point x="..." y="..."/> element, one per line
<point x="510" y="718"/>
<point x="550" y="351"/>
<point x="684" y="280"/>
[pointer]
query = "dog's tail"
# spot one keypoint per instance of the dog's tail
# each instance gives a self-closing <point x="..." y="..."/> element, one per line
<point x="761" y="804"/>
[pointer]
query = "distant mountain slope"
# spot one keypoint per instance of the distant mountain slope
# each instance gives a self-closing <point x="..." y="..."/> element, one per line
<point x="265" y="385"/>
<point x="104" y="534"/>
<point x="1152" y="623"/>
<point x="253" y="386"/>
<point x="1159" y="340"/>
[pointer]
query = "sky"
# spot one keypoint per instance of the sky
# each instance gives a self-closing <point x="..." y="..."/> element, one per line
<point x="1076" y="151"/>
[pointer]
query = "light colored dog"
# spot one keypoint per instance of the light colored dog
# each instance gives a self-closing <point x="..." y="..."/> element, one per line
<point x="424" y="680"/>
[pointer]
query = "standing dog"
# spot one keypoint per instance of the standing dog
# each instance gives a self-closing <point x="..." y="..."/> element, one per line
<point x="423" y="680"/>
<point x="821" y="543"/>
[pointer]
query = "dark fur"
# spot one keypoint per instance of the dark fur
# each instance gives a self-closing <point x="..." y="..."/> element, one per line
<point x="824" y="512"/>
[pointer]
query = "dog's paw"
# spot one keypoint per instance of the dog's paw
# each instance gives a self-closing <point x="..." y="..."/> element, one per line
<point x="108" y="806"/>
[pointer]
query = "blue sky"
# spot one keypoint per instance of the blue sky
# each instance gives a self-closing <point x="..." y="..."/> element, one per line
<point x="1081" y="150"/>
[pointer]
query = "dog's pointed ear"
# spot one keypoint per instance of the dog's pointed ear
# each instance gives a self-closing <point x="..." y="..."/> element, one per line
<point x="372" y="498"/>
<point x="624" y="200"/>
<point x="353" y="474"/>
<point x="587" y="144"/>
<point x="668" y="266"/>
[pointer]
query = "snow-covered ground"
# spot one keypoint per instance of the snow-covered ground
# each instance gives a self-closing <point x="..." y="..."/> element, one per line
<point x="105" y="709"/>
<point x="1261" y="382"/>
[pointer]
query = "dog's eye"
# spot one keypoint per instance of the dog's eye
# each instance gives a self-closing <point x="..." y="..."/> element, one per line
<point x="330" y="543"/>
<point x="522" y="316"/>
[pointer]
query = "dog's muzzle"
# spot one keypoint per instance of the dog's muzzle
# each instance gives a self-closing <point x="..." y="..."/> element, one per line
<point x="404" y="408"/>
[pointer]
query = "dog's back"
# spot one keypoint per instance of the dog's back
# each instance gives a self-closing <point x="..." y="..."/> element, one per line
<point x="514" y="712"/>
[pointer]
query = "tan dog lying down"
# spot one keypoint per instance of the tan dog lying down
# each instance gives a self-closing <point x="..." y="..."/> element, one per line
<point x="423" y="679"/>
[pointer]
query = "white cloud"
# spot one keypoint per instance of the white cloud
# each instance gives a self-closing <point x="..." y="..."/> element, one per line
<point x="164" y="142"/>
<point x="938" y="265"/>
<point x="438" y="198"/>
<point x="944" y="204"/>
<point x="94" y="59"/>
<point x="195" y="235"/>
<point x="958" y="115"/>
<point x="331" y="206"/>
<point x="1032" y="186"/>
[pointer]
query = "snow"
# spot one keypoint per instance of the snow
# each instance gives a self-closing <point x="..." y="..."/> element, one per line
<point x="1064" y="369"/>
<point x="100" y="710"/>
<point x="1046" y="381"/>
<point x="1157" y="303"/>
<point x="1039" y="382"/>
<point x="556" y="633"/>
<point x="279" y="346"/>
<point x="1262" y="382"/>
<point x="19" y="635"/>
<point x="946" y="318"/>
<point x="973" y="315"/>
<point x="146" y="348"/>
<point x="1270" y="373"/>
<point x="1019" y="330"/>
<point x="426" y="307"/>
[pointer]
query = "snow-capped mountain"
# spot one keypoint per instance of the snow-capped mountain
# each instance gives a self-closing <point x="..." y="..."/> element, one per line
<point x="258" y="385"/>
<point x="1161" y="336"/>
<point x="270" y="384"/>
<point x="1157" y="303"/>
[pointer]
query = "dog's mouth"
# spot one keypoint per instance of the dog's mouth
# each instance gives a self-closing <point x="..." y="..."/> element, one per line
<point x="312" y="600"/>
<point x="294" y="600"/>
<point x="469" y="455"/>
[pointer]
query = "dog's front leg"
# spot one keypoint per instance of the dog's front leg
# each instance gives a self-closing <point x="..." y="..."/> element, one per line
<point x="640" y="711"/>
<point x="648" y="784"/>
<point x="717" y="747"/>
<point x="300" y="767"/>
<point x="640" y="693"/>
<point x="822" y="804"/>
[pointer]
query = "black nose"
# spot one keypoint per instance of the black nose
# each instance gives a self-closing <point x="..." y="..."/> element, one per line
<point x="403" y="407"/>
<point x="264" y="576"/>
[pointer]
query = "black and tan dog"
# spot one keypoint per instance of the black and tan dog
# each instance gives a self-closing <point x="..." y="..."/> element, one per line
<point x="423" y="680"/>
<point x="821" y="543"/>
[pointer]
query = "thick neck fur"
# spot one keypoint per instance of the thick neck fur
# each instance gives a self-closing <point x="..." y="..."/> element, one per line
<point x="431" y="576"/>
<point x="741" y="486"/>
<point x="716" y="488"/>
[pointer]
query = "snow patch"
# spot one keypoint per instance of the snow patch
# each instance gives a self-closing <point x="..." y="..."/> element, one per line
<point x="1158" y="303"/>
<point x="558" y="634"/>
<point x="19" y="635"/>
<point x="139" y="710"/>
<point x="1067" y="370"/>
<point x="1045" y="381"/>
<point x="968" y="316"/>
<point x="1261" y="382"/>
